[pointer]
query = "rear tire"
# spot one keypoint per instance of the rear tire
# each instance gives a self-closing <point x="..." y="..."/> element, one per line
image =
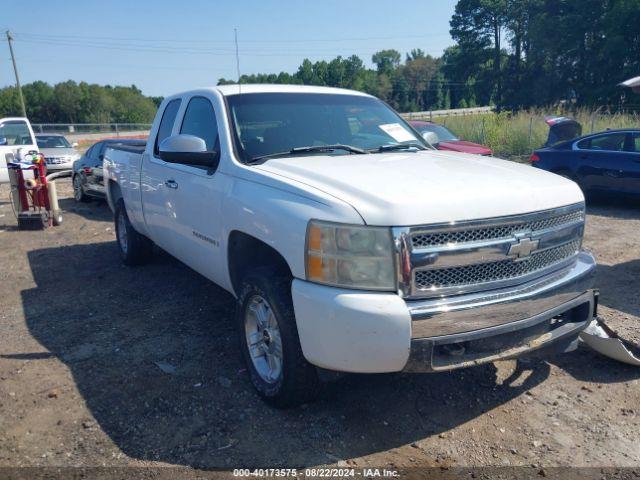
<point x="78" y="192"/>
<point x="135" y="249"/>
<point x="272" y="352"/>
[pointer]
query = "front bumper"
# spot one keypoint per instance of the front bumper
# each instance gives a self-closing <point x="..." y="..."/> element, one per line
<point x="366" y="332"/>
<point x="56" y="167"/>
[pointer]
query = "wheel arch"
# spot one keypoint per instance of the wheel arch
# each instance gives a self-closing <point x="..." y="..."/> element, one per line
<point x="246" y="252"/>
<point x="114" y="193"/>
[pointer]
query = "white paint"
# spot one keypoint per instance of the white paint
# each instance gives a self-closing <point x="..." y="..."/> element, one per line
<point x="350" y="330"/>
<point x="431" y="186"/>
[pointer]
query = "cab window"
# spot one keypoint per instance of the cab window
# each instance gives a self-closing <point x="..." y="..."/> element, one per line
<point x="166" y="124"/>
<point x="200" y="120"/>
<point x="15" y="132"/>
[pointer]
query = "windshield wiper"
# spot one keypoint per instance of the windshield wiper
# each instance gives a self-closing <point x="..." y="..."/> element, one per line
<point x="311" y="148"/>
<point x="399" y="146"/>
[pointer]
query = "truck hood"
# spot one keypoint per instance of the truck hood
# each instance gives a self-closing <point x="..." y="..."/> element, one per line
<point x="413" y="188"/>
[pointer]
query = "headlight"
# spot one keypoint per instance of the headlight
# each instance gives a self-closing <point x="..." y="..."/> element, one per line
<point x="350" y="256"/>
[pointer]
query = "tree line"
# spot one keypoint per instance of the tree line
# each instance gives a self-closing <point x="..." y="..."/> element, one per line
<point x="71" y="102"/>
<point x="510" y="53"/>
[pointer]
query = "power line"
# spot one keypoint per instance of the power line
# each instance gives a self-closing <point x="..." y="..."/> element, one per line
<point x="201" y="42"/>
<point x="192" y="51"/>
<point x="188" y="50"/>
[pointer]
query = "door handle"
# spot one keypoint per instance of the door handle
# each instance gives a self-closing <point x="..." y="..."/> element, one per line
<point x="171" y="184"/>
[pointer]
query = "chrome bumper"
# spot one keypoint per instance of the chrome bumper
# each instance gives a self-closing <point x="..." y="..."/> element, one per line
<point x="466" y="330"/>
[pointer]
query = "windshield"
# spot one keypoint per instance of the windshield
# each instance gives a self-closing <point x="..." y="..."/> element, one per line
<point x="444" y="134"/>
<point x="269" y="123"/>
<point x="15" y="132"/>
<point x="52" y="141"/>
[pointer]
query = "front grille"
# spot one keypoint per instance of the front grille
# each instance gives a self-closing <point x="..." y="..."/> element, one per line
<point x="425" y="240"/>
<point x="494" y="271"/>
<point x="56" y="160"/>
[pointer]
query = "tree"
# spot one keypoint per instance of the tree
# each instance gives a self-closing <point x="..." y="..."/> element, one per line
<point x="418" y="74"/>
<point x="478" y="24"/>
<point x="386" y="61"/>
<point x="71" y="102"/>
<point x="305" y="72"/>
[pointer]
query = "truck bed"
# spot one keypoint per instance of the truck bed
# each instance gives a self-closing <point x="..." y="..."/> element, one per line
<point x="133" y="147"/>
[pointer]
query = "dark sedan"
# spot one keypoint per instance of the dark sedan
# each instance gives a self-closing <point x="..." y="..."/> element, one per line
<point x="601" y="162"/>
<point x="88" y="180"/>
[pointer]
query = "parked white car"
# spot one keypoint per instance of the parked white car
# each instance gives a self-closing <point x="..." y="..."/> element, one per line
<point x="16" y="140"/>
<point x="349" y="242"/>
<point x="58" y="153"/>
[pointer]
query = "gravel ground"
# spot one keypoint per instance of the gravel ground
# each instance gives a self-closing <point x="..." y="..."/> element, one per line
<point x="104" y="365"/>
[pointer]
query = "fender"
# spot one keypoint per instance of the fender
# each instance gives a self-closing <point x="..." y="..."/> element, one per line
<point x="277" y="213"/>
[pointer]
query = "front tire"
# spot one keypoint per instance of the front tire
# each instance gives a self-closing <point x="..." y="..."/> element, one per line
<point x="135" y="249"/>
<point x="269" y="341"/>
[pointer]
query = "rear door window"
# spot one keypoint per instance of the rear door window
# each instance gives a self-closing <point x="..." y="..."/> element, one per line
<point x="166" y="124"/>
<point x="613" y="142"/>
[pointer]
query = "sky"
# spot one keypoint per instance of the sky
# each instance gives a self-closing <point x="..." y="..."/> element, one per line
<point x="166" y="46"/>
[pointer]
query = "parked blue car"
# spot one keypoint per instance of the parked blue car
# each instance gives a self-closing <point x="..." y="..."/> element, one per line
<point x="605" y="162"/>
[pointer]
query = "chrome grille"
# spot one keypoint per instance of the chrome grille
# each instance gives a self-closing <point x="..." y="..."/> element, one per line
<point x="56" y="160"/>
<point x="494" y="271"/>
<point x="424" y="240"/>
<point x="469" y="256"/>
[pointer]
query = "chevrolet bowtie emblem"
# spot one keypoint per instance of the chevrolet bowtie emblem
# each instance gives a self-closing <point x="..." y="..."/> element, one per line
<point x="523" y="248"/>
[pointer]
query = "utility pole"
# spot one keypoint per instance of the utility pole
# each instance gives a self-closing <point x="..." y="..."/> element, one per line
<point x="15" y="70"/>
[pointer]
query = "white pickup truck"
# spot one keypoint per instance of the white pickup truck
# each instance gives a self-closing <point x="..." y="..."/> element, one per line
<point x="351" y="244"/>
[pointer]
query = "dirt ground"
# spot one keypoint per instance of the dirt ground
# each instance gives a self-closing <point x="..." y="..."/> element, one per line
<point x="104" y="365"/>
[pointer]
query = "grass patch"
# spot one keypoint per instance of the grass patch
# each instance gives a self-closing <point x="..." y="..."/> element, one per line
<point x="516" y="135"/>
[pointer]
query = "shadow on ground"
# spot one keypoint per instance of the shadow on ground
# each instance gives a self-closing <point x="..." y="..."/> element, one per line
<point x="618" y="286"/>
<point x="110" y="325"/>
<point x="96" y="209"/>
<point x="614" y="206"/>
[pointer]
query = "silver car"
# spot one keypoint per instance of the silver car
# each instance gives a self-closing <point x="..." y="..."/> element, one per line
<point x="58" y="152"/>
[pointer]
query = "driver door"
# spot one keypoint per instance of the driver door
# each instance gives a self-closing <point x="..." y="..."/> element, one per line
<point x="195" y="194"/>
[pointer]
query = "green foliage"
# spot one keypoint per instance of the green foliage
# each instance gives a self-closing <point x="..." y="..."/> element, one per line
<point x="513" y="54"/>
<point x="511" y="134"/>
<point x="71" y="102"/>
<point x="541" y="52"/>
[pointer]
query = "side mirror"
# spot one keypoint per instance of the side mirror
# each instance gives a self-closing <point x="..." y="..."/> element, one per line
<point x="3" y="141"/>
<point x="431" y="137"/>
<point x="74" y="145"/>
<point x="187" y="149"/>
